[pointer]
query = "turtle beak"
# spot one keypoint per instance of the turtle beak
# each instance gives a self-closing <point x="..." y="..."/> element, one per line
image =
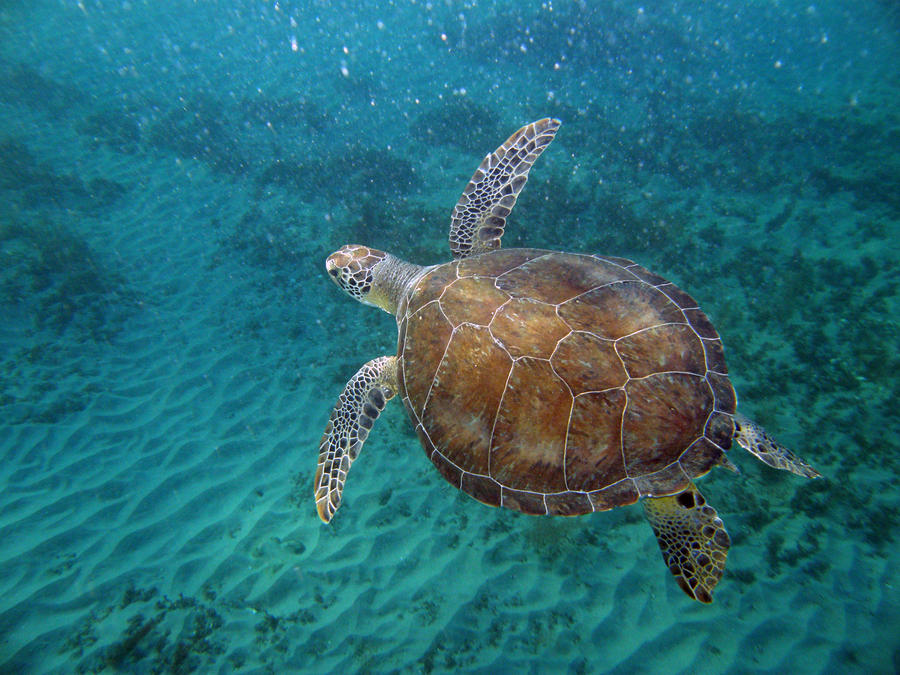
<point x="333" y="267"/>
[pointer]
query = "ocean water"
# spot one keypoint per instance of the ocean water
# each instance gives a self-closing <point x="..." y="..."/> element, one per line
<point x="172" y="176"/>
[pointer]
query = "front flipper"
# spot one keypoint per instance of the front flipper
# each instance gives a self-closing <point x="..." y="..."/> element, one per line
<point x="479" y="217"/>
<point x="754" y="439"/>
<point x="692" y="539"/>
<point x="352" y="418"/>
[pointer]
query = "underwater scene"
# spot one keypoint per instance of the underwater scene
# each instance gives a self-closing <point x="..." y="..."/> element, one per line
<point x="173" y="176"/>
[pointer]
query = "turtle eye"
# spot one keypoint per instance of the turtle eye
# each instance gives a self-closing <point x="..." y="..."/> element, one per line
<point x="335" y="272"/>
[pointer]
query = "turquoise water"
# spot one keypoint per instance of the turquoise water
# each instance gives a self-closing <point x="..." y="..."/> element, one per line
<point x="172" y="176"/>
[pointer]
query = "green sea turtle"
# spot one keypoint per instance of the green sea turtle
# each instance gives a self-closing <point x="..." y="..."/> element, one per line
<point x="546" y="382"/>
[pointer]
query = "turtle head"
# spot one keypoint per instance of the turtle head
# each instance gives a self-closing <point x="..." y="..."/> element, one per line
<point x="371" y="276"/>
<point x="355" y="269"/>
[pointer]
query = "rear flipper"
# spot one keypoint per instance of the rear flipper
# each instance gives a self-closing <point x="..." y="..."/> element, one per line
<point x="692" y="539"/>
<point x="754" y="439"/>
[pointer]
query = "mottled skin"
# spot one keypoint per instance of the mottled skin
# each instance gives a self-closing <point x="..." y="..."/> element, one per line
<point x="550" y="383"/>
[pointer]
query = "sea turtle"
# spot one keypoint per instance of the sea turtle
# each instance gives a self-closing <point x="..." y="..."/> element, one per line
<point x="546" y="382"/>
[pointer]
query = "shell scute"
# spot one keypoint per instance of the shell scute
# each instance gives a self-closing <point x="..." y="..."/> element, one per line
<point x="431" y="286"/>
<point x="557" y="277"/>
<point x="662" y="348"/>
<point x="588" y="363"/>
<point x="425" y="337"/>
<point x="701" y="323"/>
<point x="568" y="504"/>
<point x="483" y="488"/>
<point x="695" y="460"/>
<point x="530" y="433"/>
<point x="497" y="262"/>
<point x="618" y="494"/>
<point x="678" y="296"/>
<point x="531" y="503"/>
<point x="719" y="429"/>
<point x="594" y="447"/>
<point x="671" y="478"/>
<point x="715" y="356"/>
<point x="465" y="395"/>
<point x="472" y="300"/>
<point x="451" y="473"/>
<point x="619" y="309"/>
<point x="528" y="328"/>
<point x="666" y="412"/>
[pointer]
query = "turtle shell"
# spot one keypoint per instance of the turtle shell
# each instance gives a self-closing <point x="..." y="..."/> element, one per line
<point x="560" y="383"/>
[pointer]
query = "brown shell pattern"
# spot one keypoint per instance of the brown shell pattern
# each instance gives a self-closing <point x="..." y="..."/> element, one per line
<point x="561" y="383"/>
